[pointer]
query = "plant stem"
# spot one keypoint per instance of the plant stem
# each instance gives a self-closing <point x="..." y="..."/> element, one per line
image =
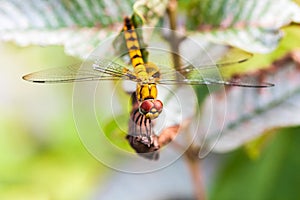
<point x="191" y="154"/>
<point x="194" y="165"/>
<point x="173" y="38"/>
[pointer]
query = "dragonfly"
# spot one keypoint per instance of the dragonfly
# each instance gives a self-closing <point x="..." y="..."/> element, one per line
<point x="140" y="135"/>
<point x="146" y="75"/>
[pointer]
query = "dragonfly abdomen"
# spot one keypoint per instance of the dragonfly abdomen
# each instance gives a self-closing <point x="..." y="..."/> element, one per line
<point x="134" y="51"/>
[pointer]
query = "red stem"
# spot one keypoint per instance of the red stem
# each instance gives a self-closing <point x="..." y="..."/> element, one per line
<point x="195" y="169"/>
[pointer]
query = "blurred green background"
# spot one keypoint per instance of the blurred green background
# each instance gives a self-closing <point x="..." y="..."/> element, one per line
<point x="275" y="174"/>
<point x="41" y="156"/>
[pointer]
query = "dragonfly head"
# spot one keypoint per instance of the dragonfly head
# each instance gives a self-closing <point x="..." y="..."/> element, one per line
<point x="151" y="108"/>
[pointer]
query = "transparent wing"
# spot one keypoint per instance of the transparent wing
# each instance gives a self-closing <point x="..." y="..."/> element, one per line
<point x="207" y="76"/>
<point x="206" y="72"/>
<point x="217" y="60"/>
<point x="93" y="69"/>
<point x="231" y="57"/>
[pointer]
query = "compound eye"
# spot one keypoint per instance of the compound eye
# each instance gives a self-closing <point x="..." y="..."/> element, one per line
<point x="151" y="108"/>
<point x="146" y="106"/>
<point x="158" y="105"/>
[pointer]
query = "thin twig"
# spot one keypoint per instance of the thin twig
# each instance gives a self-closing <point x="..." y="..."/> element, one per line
<point x="194" y="165"/>
<point x="191" y="153"/>
<point x="173" y="38"/>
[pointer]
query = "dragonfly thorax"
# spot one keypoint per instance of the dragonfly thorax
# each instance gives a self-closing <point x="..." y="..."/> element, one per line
<point x="141" y="74"/>
<point x="152" y="71"/>
<point x="146" y="91"/>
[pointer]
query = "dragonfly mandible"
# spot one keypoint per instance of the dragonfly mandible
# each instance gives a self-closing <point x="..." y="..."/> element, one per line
<point x="146" y="74"/>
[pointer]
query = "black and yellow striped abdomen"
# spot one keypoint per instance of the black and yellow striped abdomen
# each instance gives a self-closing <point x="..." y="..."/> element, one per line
<point x="134" y="51"/>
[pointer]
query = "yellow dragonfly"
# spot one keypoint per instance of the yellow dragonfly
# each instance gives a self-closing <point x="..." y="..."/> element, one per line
<point x="146" y="74"/>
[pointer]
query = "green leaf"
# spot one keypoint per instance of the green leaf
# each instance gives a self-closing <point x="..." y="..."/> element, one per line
<point x="250" y="112"/>
<point x="49" y="15"/>
<point x="114" y="131"/>
<point x="250" y="25"/>
<point x="78" y="25"/>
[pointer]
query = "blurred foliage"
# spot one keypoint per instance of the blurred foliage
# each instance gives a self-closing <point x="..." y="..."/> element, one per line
<point x="273" y="175"/>
<point x="39" y="14"/>
<point x="267" y="167"/>
<point x="255" y="112"/>
<point x="289" y="42"/>
<point x="253" y="25"/>
<point x="113" y="131"/>
<point x="41" y="155"/>
<point x="249" y="25"/>
<point x="59" y="168"/>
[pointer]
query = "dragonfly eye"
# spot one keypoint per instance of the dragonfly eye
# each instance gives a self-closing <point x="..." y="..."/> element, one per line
<point x="151" y="108"/>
